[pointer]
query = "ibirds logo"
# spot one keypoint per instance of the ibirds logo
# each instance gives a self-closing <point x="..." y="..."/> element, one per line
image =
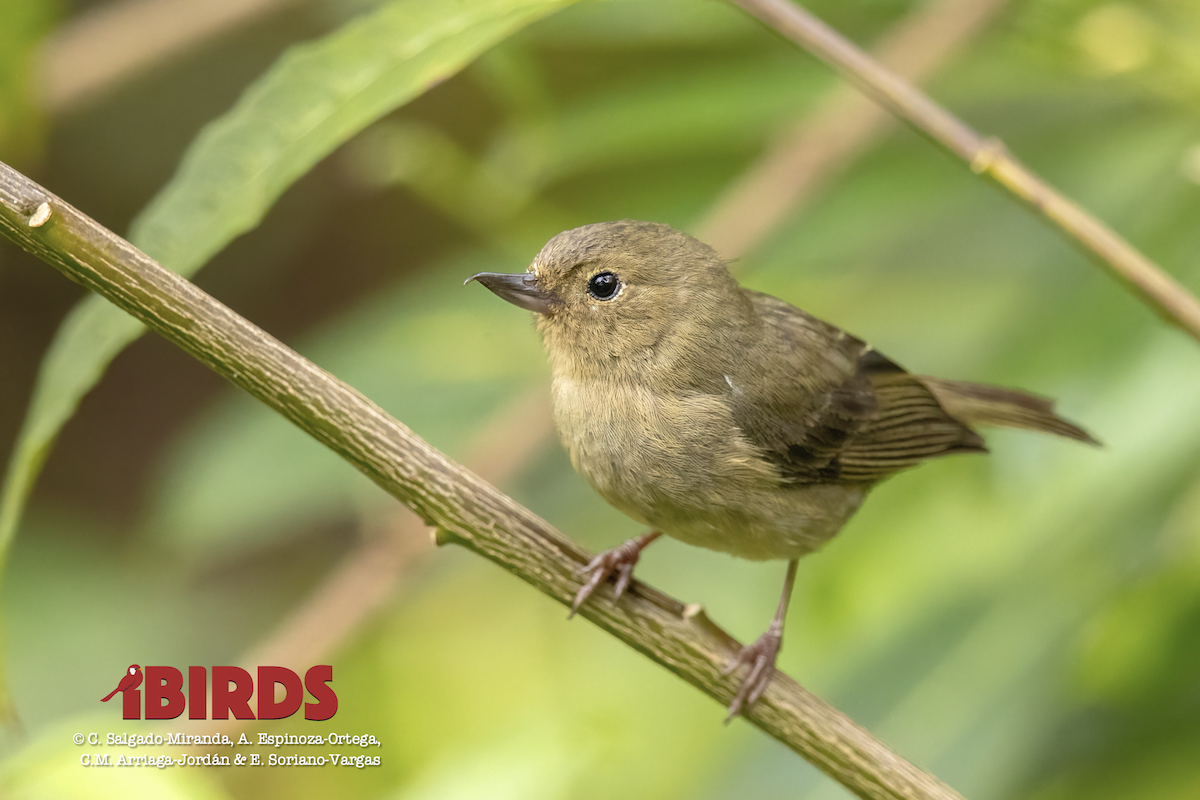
<point x="232" y="689"/>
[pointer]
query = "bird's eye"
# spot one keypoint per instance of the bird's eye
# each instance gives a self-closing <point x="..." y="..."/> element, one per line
<point x="604" y="285"/>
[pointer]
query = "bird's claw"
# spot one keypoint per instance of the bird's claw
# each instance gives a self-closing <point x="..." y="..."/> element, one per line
<point x="620" y="560"/>
<point x="760" y="657"/>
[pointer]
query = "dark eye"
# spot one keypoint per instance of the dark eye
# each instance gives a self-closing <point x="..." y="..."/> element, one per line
<point x="604" y="286"/>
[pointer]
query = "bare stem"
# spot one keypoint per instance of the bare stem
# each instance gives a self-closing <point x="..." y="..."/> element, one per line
<point x="985" y="156"/>
<point x="462" y="507"/>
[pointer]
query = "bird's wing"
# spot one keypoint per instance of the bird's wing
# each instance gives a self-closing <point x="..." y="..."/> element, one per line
<point x="908" y="427"/>
<point x="847" y="414"/>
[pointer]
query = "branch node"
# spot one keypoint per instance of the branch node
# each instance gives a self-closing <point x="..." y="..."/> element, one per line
<point x="441" y="537"/>
<point x="40" y="216"/>
<point x="990" y="151"/>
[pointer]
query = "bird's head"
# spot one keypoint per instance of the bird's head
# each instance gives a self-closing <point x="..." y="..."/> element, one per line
<point x="614" y="294"/>
<point x="134" y="669"/>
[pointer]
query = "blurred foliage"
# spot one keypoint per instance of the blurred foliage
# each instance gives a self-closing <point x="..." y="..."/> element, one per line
<point x="24" y="25"/>
<point x="1025" y="625"/>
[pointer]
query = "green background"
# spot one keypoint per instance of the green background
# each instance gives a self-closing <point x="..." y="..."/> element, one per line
<point x="1025" y="625"/>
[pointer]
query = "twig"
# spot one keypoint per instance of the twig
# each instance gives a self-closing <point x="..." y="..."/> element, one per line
<point x="985" y="156"/>
<point x="465" y="509"/>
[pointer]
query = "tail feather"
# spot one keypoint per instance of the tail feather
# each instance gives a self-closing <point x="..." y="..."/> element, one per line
<point x="978" y="404"/>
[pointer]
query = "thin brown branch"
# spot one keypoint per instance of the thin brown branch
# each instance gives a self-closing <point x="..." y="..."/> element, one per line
<point x="465" y="509"/>
<point x="985" y="156"/>
<point x="839" y="129"/>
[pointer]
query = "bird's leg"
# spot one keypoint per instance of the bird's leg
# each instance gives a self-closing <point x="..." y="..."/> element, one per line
<point x="620" y="560"/>
<point x="760" y="656"/>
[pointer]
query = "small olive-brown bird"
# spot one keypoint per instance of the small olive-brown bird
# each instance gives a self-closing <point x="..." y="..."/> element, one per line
<point x="724" y="417"/>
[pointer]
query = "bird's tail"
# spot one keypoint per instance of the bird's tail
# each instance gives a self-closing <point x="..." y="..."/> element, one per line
<point x="110" y="695"/>
<point x="977" y="404"/>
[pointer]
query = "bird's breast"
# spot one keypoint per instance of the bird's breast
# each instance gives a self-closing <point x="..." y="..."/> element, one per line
<point x="679" y="463"/>
<point x="640" y="444"/>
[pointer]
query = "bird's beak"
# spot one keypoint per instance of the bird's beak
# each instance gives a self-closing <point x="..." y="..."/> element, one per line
<point x="520" y="290"/>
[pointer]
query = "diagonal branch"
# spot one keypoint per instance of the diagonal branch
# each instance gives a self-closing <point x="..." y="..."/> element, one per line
<point x="985" y="156"/>
<point x="463" y="508"/>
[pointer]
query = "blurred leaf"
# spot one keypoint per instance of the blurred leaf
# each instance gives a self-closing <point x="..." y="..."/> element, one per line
<point x="732" y="108"/>
<point x="1025" y="625"/>
<point x="315" y="97"/>
<point x="637" y="23"/>
<point x="667" y="118"/>
<point x="24" y="25"/>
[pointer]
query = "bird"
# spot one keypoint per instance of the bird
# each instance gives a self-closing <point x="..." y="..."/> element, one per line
<point x="130" y="680"/>
<point x="724" y="417"/>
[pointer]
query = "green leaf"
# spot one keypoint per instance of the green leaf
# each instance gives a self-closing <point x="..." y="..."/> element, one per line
<point x="314" y="98"/>
<point x="20" y="122"/>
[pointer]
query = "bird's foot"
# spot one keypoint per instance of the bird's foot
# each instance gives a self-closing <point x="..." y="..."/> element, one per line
<point x="619" y="560"/>
<point x="760" y="658"/>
